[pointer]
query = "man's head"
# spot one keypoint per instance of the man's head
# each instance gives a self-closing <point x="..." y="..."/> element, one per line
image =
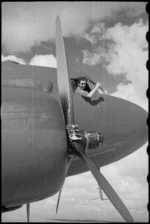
<point x="82" y="82"/>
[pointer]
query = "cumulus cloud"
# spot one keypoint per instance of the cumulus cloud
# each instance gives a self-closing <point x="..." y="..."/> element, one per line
<point x="12" y="58"/>
<point x="95" y="33"/>
<point x="128" y="92"/>
<point x="27" y="23"/>
<point x="90" y="58"/>
<point x="37" y="60"/>
<point x="124" y="52"/>
<point x="44" y="60"/>
<point x="129" y="54"/>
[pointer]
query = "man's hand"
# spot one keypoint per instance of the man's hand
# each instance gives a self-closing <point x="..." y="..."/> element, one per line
<point x="98" y="84"/>
<point x="98" y="87"/>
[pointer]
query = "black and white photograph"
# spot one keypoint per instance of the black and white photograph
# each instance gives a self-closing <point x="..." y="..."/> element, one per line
<point x="74" y="111"/>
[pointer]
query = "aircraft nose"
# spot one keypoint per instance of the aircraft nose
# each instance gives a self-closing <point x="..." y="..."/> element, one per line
<point x="122" y="123"/>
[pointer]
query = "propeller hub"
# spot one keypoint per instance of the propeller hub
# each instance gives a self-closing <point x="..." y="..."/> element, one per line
<point x="86" y="140"/>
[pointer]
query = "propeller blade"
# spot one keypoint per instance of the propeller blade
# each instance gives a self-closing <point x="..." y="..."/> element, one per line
<point x="64" y="85"/>
<point x="28" y="212"/>
<point x="58" y="200"/>
<point x="107" y="188"/>
<point x="100" y="192"/>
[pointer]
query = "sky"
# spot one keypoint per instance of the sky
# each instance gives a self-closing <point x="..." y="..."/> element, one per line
<point x="100" y="37"/>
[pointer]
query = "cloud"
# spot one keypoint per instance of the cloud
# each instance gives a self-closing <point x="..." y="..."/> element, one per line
<point x="129" y="54"/>
<point x="125" y="168"/>
<point x="25" y="24"/>
<point x="44" y="60"/>
<point x="90" y="58"/>
<point x="128" y="92"/>
<point x="95" y="33"/>
<point x="37" y="60"/>
<point x="124" y="52"/>
<point x="12" y="58"/>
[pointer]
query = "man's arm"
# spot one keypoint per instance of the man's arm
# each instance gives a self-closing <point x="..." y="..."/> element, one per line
<point x="89" y="95"/>
<point x="83" y="93"/>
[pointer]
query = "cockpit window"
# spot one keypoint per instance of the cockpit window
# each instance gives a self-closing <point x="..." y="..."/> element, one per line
<point x="75" y="84"/>
<point x="83" y="87"/>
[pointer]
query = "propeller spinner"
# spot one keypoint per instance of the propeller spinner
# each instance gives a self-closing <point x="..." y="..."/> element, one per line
<point x="78" y="140"/>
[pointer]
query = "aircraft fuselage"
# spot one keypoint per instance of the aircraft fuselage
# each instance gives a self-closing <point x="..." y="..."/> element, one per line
<point x="34" y="142"/>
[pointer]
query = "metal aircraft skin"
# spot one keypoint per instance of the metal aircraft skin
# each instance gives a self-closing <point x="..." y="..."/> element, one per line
<point x="34" y="141"/>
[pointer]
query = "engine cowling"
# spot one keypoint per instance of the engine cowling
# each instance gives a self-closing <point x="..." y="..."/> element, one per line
<point x="87" y="140"/>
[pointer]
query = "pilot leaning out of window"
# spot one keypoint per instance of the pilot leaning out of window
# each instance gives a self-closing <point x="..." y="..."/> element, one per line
<point x="84" y="90"/>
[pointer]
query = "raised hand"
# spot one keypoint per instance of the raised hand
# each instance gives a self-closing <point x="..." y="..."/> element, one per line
<point x="98" y="84"/>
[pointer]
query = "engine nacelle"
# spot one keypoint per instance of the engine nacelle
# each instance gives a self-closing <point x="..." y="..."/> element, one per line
<point x="85" y="139"/>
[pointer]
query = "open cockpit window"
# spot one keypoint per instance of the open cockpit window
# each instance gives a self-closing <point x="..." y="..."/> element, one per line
<point x="76" y="81"/>
<point x="83" y="87"/>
